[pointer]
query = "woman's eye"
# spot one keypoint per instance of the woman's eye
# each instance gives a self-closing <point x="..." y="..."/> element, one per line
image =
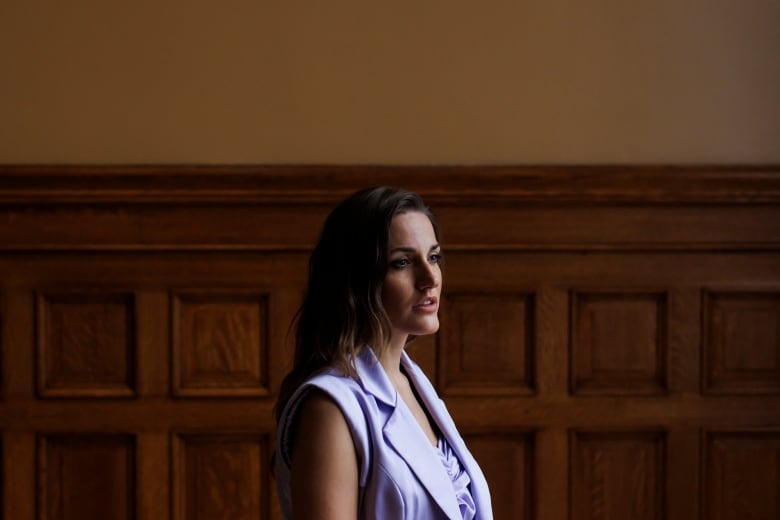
<point x="435" y="258"/>
<point x="399" y="263"/>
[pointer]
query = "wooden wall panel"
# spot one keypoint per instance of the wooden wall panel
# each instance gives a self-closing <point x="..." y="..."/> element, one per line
<point x="86" y="477"/>
<point x="220" y="344"/>
<point x="617" y="475"/>
<point x="86" y="344"/>
<point x="221" y="476"/>
<point x="618" y="342"/>
<point x="741" y="475"/>
<point x="609" y="341"/>
<point x="508" y="463"/>
<point x="742" y="342"/>
<point x="496" y="322"/>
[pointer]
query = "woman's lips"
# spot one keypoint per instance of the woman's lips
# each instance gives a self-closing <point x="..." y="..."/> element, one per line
<point x="427" y="305"/>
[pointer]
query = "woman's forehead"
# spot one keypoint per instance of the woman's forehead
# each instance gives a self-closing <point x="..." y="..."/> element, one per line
<point x="411" y="228"/>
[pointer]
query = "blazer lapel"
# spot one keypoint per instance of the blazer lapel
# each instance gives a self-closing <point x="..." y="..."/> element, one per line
<point x="443" y="420"/>
<point x="407" y="438"/>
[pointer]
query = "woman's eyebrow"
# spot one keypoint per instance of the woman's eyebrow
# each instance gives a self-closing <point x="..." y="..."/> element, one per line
<point x="408" y="249"/>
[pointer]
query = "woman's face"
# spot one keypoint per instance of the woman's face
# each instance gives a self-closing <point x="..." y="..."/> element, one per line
<point x="412" y="285"/>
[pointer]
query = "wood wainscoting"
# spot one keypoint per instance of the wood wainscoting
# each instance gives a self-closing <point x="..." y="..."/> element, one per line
<point x="610" y="341"/>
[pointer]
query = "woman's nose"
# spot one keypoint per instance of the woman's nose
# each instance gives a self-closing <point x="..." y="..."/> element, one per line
<point x="428" y="276"/>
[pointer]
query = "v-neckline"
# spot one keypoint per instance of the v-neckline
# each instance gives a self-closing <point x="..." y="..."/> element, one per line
<point x="437" y="433"/>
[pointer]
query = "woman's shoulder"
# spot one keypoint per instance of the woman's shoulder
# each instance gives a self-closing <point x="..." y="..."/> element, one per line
<point x="319" y="417"/>
<point x="329" y="395"/>
<point x="328" y="384"/>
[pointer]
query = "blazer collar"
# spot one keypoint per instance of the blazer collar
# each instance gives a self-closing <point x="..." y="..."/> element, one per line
<point x="404" y="434"/>
<point x="373" y="377"/>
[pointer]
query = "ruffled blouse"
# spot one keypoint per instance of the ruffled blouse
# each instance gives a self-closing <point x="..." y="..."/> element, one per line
<point x="460" y="479"/>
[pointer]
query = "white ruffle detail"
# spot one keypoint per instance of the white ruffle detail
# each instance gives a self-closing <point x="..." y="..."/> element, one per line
<point x="460" y="479"/>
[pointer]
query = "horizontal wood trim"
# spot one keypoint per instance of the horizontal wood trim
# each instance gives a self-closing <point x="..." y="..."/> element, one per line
<point x="496" y="414"/>
<point x="186" y="184"/>
<point x="566" y="209"/>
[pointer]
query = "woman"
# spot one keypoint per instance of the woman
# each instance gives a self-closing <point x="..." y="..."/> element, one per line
<point x="361" y="430"/>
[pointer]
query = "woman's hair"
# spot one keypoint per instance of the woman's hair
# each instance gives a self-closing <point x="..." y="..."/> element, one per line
<point x="342" y="310"/>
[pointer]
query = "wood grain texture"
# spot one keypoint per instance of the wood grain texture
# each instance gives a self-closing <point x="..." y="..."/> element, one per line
<point x="741" y="475"/>
<point x="127" y="204"/>
<point x="618" y="342"/>
<point x="86" y="344"/>
<point x="307" y="184"/>
<point x="475" y="324"/>
<point x="594" y="322"/>
<point x="741" y="342"/>
<point x="617" y="475"/>
<point x="220" y="476"/>
<point x="220" y="344"/>
<point x="19" y="475"/>
<point x="507" y="460"/>
<point x="86" y="477"/>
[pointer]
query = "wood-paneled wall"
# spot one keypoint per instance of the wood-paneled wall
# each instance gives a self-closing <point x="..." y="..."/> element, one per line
<point x="610" y="342"/>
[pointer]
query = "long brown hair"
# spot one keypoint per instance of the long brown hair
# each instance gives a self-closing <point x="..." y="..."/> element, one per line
<point x="342" y="310"/>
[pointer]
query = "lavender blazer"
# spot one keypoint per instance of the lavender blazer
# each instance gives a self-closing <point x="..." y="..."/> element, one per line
<point x="400" y="473"/>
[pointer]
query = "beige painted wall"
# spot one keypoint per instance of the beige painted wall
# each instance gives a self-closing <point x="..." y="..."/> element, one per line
<point x="360" y="81"/>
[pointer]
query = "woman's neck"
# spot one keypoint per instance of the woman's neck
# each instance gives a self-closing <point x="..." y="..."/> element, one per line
<point x="391" y="359"/>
